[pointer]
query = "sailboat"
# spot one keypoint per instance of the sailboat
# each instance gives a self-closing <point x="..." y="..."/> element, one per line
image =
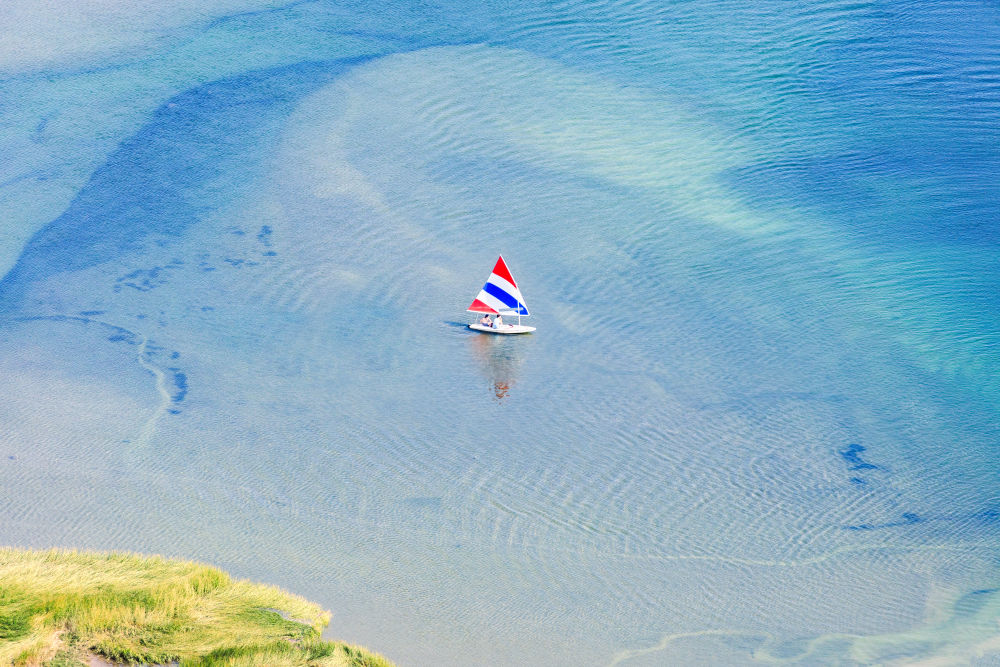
<point x="500" y="296"/>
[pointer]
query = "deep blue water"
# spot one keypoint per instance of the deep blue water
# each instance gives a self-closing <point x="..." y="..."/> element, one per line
<point x="758" y="421"/>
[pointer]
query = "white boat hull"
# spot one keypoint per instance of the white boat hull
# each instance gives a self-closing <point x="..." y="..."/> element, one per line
<point x="504" y="328"/>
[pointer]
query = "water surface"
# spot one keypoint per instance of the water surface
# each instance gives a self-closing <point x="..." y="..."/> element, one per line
<point x="758" y="420"/>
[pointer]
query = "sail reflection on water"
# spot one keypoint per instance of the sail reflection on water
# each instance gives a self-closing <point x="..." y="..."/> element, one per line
<point x="499" y="359"/>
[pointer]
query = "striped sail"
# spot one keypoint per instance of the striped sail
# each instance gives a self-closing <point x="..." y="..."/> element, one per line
<point x="500" y="293"/>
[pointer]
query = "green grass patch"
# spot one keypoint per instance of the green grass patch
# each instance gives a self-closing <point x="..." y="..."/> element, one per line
<point x="56" y="607"/>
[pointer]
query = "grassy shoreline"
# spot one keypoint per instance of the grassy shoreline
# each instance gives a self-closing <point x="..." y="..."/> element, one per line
<point x="58" y="608"/>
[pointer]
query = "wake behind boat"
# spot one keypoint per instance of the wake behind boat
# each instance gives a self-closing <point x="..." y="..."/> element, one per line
<point x="500" y="298"/>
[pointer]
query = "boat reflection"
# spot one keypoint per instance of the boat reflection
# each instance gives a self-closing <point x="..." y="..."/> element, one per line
<point x="499" y="359"/>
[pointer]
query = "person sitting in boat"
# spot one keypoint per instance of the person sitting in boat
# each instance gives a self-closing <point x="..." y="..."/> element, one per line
<point x="498" y="321"/>
<point x="486" y="321"/>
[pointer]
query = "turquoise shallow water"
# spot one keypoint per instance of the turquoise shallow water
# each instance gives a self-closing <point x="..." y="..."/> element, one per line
<point x="758" y="421"/>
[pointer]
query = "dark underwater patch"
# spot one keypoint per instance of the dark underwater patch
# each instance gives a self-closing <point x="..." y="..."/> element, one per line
<point x="180" y="385"/>
<point x="852" y="456"/>
<point x="147" y="191"/>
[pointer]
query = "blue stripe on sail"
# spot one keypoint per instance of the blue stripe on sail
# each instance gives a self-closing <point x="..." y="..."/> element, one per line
<point x="504" y="297"/>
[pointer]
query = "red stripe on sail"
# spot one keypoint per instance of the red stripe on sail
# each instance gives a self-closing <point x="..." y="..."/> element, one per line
<point x="480" y="307"/>
<point x="501" y="270"/>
